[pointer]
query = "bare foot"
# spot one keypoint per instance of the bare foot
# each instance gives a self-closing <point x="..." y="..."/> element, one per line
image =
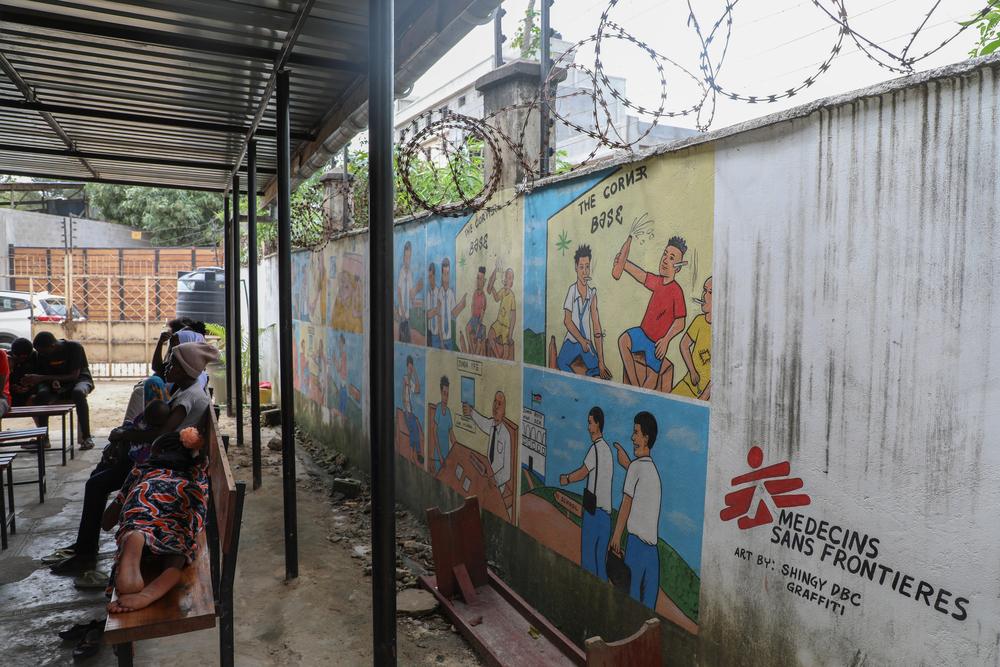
<point x="128" y="578"/>
<point x="130" y="602"/>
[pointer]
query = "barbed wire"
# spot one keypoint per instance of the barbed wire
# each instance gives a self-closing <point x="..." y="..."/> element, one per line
<point x="445" y="136"/>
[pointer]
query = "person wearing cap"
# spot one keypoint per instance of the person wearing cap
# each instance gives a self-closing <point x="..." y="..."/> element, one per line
<point x="189" y="406"/>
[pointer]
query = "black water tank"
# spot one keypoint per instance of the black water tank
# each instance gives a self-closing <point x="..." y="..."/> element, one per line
<point x="201" y="295"/>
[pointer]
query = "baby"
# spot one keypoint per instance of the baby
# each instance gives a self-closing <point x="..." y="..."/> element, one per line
<point x="151" y="419"/>
<point x="159" y="511"/>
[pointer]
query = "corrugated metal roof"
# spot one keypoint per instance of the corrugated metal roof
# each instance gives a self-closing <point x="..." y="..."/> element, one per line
<point x="162" y="92"/>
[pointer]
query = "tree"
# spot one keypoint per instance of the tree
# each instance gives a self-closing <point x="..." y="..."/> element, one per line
<point x="528" y="37"/>
<point x="168" y="217"/>
<point x="989" y="31"/>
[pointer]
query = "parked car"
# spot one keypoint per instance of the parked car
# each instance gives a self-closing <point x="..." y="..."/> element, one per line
<point x="17" y="309"/>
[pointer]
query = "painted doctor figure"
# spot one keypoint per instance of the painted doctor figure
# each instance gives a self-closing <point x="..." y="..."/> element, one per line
<point x="498" y="450"/>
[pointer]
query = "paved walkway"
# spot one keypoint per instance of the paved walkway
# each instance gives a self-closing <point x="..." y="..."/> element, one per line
<point x="323" y="618"/>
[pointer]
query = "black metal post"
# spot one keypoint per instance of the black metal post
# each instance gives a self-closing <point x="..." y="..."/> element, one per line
<point x="236" y="332"/>
<point x="228" y="270"/>
<point x="285" y="331"/>
<point x="254" y="322"/>
<point x="543" y="110"/>
<point x="380" y="137"/>
<point x="498" y="36"/>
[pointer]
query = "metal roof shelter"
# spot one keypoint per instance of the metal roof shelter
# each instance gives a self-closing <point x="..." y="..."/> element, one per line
<point x="207" y="95"/>
<point x="164" y="92"/>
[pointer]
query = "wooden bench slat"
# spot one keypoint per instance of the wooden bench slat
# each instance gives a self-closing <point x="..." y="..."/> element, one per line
<point x="223" y="489"/>
<point x="39" y="411"/>
<point x="188" y="607"/>
<point x="21" y="435"/>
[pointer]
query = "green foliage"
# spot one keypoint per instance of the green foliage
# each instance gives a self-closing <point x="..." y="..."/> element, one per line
<point x="219" y="331"/>
<point x="528" y="46"/>
<point x="167" y="217"/>
<point x="989" y="31"/>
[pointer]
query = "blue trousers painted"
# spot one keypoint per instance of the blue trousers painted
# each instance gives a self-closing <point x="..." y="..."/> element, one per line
<point x="644" y="562"/>
<point x="413" y="426"/>
<point x="594" y="538"/>
<point x="569" y="352"/>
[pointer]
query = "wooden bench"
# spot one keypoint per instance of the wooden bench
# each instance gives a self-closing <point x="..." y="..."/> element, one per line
<point x="27" y="436"/>
<point x="55" y="410"/>
<point x="206" y="587"/>
<point x="499" y="623"/>
<point x="7" y="504"/>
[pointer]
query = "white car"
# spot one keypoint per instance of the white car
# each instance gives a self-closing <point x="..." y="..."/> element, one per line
<point x="17" y="309"/>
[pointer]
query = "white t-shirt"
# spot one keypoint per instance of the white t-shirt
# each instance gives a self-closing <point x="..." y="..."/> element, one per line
<point x="599" y="463"/>
<point x="197" y="403"/>
<point x="447" y="301"/>
<point x="433" y="301"/>
<point x="642" y="484"/>
<point x="409" y="387"/>
<point x="579" y="310"/>
<point x="501" y="453"/>
<point x="404" y="284"/>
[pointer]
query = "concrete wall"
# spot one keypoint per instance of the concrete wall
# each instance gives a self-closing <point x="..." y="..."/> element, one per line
<point x="39" y="230"/>
<point x="845" y="488"/>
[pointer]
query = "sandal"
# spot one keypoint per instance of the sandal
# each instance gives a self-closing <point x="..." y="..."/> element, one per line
<point x="58" y="556"/>
<point x="80" y="630"/>
<point x="91" y="580"/>
<point x="89" y="645"/>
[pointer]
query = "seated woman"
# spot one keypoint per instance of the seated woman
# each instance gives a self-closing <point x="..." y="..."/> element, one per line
<point x="160" y="511"/>
<point x="156" y="387"/>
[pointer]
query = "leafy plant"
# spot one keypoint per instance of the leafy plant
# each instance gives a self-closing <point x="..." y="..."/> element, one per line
<point x="169" y="217"/>
<point x="989" y="31"/>
<point x="528" y="37"/>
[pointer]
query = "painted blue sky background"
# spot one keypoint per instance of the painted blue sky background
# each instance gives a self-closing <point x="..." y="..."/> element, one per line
<point x="539" y="206"/>
<point x="680" y="452"/>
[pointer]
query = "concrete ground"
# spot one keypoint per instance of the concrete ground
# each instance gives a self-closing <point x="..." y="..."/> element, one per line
<point x="322" y="618"/>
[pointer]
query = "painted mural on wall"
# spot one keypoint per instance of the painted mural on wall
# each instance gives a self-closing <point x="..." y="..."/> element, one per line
<point x="628" y="278"/>
<point x="614" y="480"/>
<point x="328" y="345"/>
<point x="409" y="312"/>
<point x="473" y="412"/>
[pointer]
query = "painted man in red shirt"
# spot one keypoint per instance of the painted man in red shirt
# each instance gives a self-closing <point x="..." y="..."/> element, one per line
<point x="663" y="321"/>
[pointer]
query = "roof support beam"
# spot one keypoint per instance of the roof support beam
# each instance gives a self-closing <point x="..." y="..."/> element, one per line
<point x="29" y="95"/>
<point x="162" y="121"/>
<point x="112" y="181"/>
<point x="97" y="28"/>
<point x="279" y="64"/>
<point x="112" y="157"/>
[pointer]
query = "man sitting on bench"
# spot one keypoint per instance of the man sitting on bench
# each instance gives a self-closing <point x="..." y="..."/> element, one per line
<point x="22" y="362"/>
<point x="62" y="374"/>
<point x="189" y="404"/>
<point x="4" y="386"/>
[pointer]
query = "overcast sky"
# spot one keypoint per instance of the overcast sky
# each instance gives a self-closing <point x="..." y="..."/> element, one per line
<point x="775" y="45"/>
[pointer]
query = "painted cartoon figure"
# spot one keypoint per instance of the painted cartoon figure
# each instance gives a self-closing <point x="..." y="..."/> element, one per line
<point x="664" y="317"/>
<point x="584" y="336"/>
<point x="341" y="366"/>
<point x="450" y="307"/>
<point x="696" y="348"/>
<point x="640" y="512"/>
<point x="433" y="308"/>
<point x="500" y="343"/>
<point x="475" y="330"/>
<point x="411" y="388"/>
<point x="443" y="423"/>
<point x="498" y="451"/>
<point x="406" y="291"/>
<point x="597" y="469"/>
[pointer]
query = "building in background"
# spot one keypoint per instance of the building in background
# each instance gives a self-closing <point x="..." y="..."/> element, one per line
<point x="574" y="103"/>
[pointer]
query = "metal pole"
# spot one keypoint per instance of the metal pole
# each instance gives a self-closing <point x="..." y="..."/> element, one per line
<point x="145" y="321"/>
<point x="226" y="236"/>
<point x="237" y="329"/>
<point x="380" y="137"/>
<point x="543" y="111"/>
<point x="254" y="322"/>
<point x="285" y="331"/>
<point x="110" y="374"/>
<point x="498" y="36"/>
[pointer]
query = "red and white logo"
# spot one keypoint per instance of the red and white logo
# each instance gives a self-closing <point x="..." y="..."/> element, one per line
<point x="779" y="487"/>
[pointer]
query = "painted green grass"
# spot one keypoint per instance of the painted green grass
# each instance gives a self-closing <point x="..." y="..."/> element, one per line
<point x="534" y="348"/>
<point x="677" y="579"/>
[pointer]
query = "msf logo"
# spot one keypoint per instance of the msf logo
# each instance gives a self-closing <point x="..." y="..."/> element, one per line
<point x="779" y="487"/>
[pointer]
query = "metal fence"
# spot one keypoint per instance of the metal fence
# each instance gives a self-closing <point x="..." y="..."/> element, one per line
<point x="116" y="316"/>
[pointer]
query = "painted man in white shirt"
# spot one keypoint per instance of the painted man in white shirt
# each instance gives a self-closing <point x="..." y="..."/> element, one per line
<point x="498" y="449"/>
<point x="640" y="512"/>
<point x="433" y="308"/>
<point x="405" y="293"/>
<point x="584" y="337"/>
<point x="449" y="306"/>
<point x="597" y="469"/>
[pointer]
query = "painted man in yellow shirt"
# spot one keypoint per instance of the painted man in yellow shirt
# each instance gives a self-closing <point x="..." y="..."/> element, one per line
<point x="696" y="348"/>
<point x="500" y="344"/>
